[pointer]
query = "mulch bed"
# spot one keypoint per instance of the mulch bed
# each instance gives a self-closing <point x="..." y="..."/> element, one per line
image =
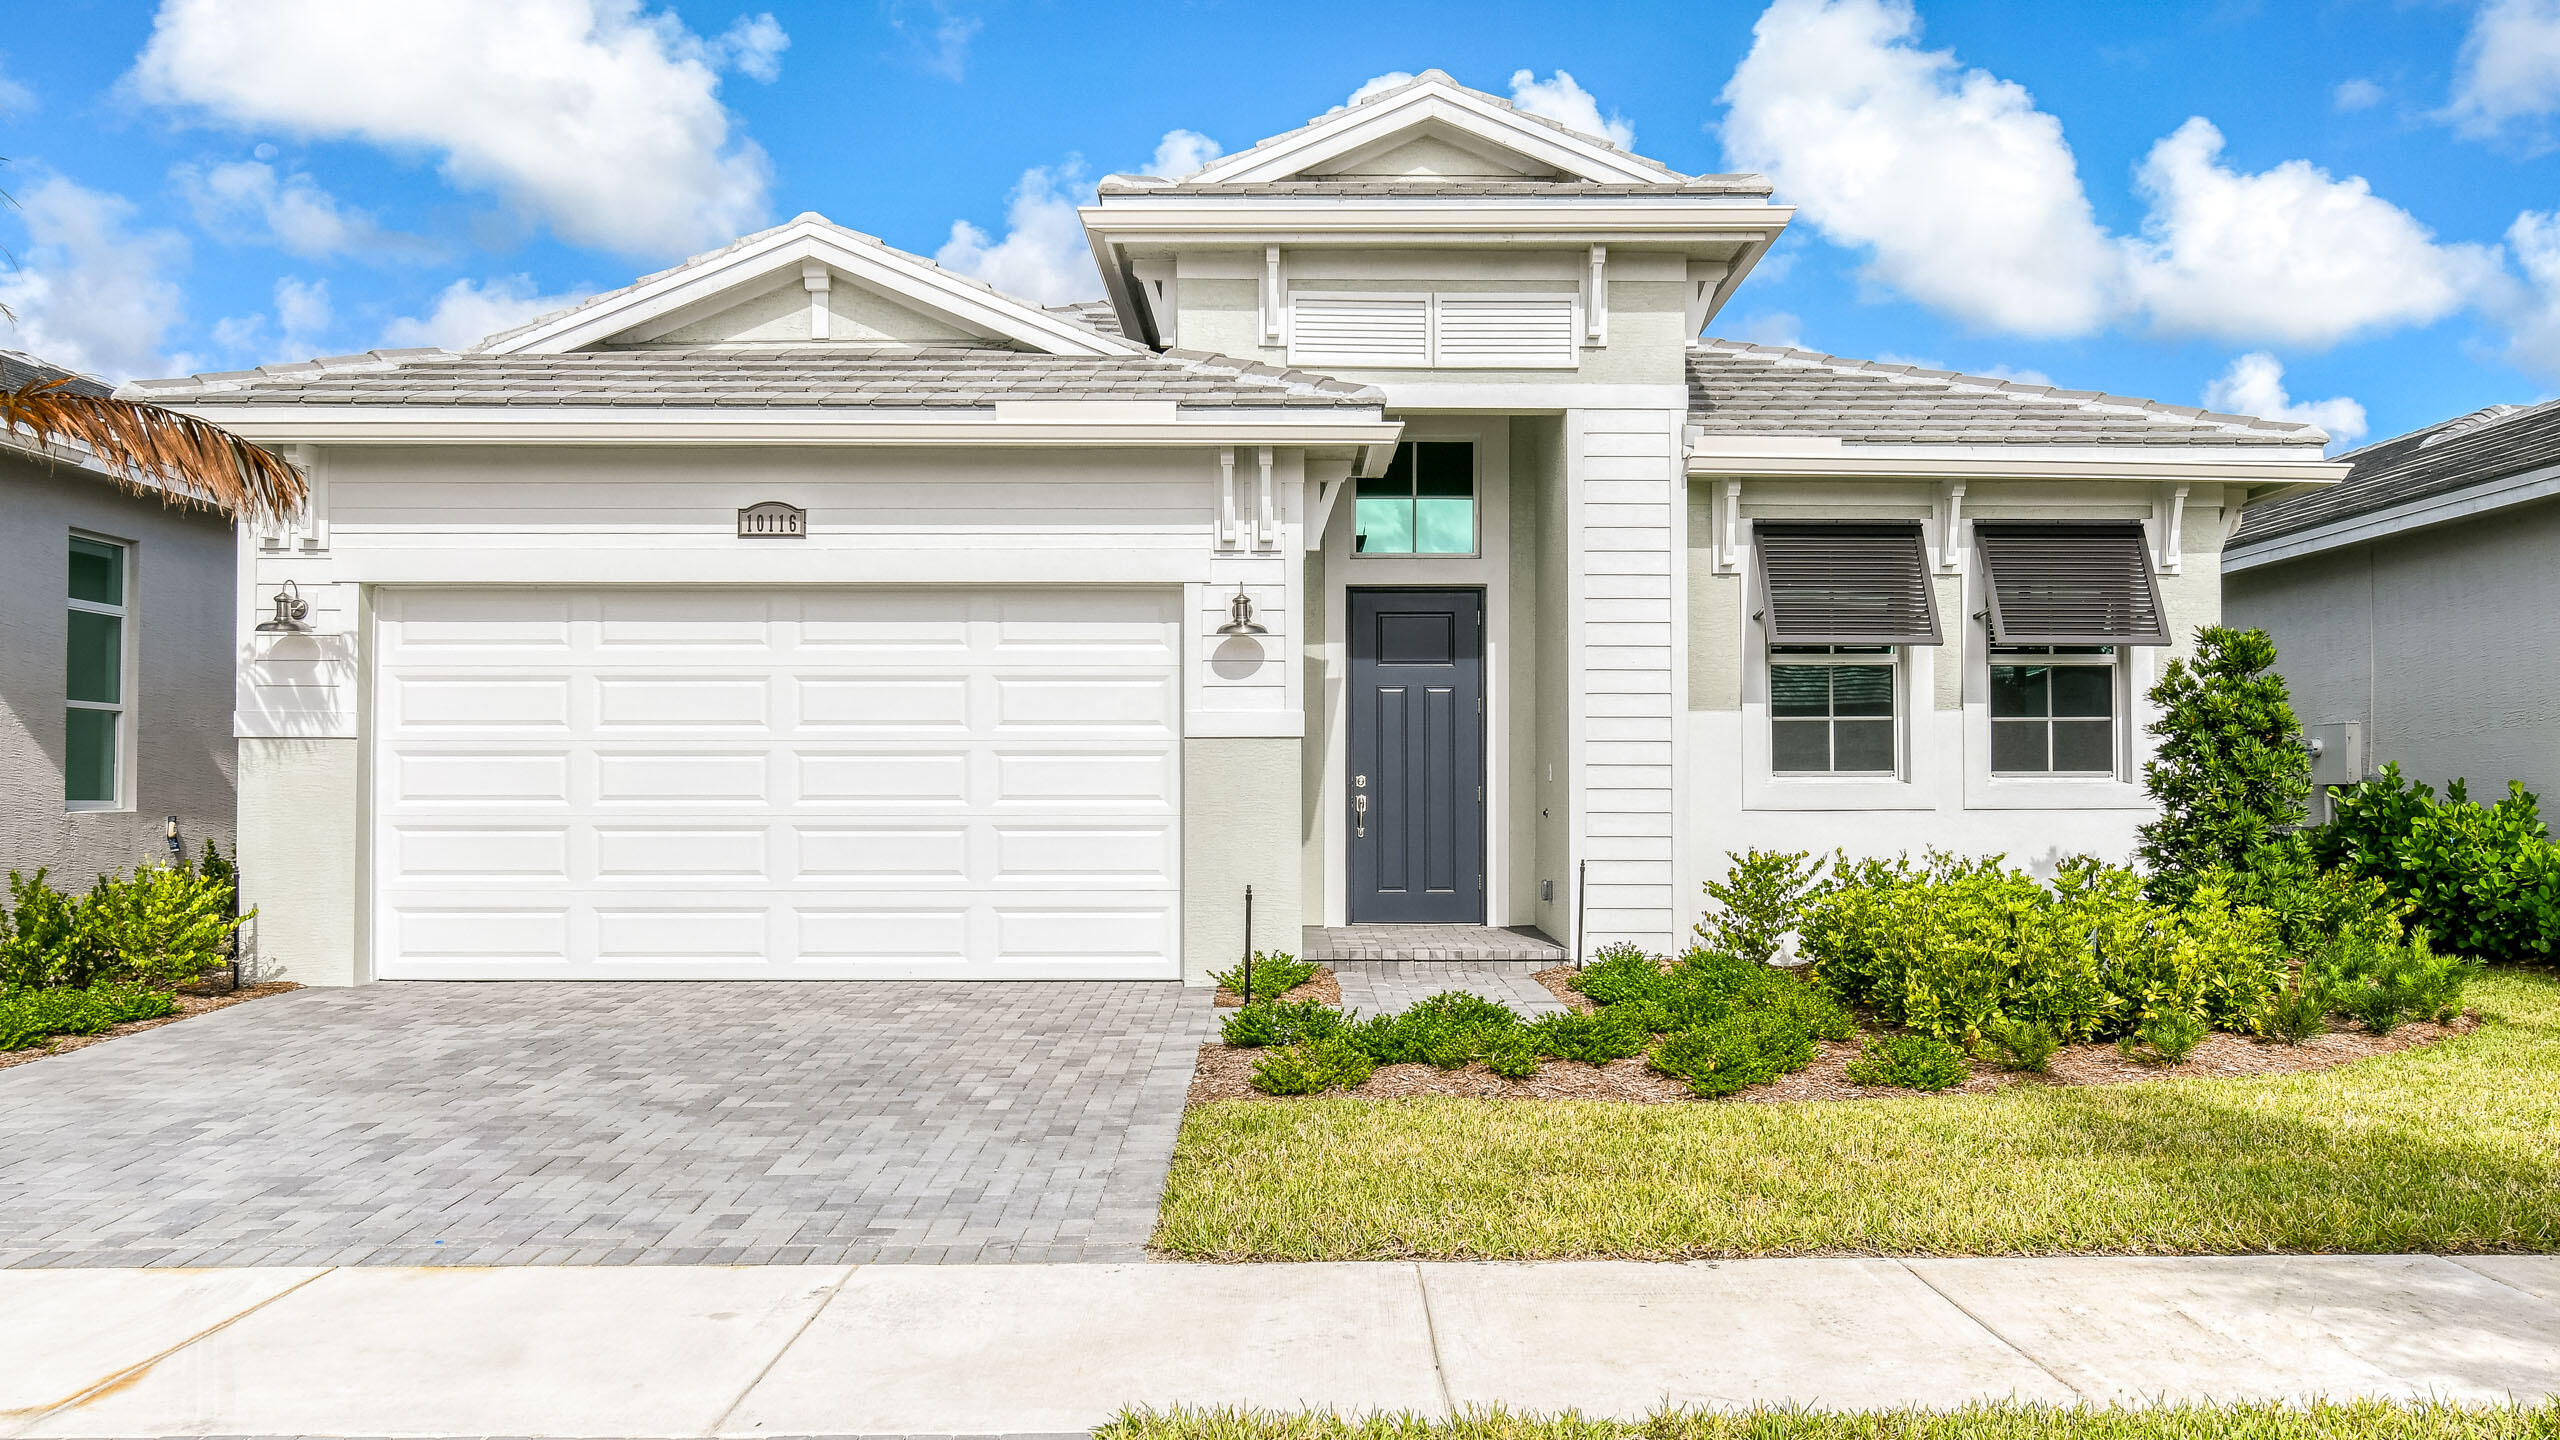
<point x="193" y="1001"/>
<point x="1226" y="1073"/>
<point x="1320" y="987"/>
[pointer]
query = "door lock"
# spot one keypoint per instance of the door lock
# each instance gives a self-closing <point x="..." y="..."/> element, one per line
<point x="1359" y="817"/>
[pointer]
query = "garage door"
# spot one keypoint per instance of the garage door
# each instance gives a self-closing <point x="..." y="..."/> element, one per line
<point x="768" y="784"/>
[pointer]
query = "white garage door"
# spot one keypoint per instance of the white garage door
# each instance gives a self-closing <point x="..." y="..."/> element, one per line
<point x="769" y="784"/>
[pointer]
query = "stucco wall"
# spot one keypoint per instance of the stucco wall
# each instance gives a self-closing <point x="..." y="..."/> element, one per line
<point x="1240" y="819"/>
<point x="1538" y="487"/>
<point x="302" y="841"/>
<point x="178" y="633"/>
<point x="2443" y="642"/>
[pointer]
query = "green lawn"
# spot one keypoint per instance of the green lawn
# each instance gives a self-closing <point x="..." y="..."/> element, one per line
<point x="2361" y="1420"/>
<point x="2366" y="1420"/>
<point x="2455" y="1147"/>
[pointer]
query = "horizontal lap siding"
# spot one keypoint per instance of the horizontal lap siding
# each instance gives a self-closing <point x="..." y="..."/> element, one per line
<point x="1624" y="644"/>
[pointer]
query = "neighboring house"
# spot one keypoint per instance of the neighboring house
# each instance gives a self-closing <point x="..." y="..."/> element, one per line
<point x="808" y="610"/>
<point x="116" y="657"/>
<point x="2416" y="606"/>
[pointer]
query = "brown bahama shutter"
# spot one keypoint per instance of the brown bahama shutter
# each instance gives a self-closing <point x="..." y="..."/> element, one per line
<point x="1845" y="584"/>
<point x="2059" y="583"/>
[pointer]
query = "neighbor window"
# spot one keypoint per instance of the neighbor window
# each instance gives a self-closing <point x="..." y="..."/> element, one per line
<point x="1424" y="505"/>
<point x="94" y="714"/>
<point x="1831" y="709"/>
<point x="2053" y="710"/>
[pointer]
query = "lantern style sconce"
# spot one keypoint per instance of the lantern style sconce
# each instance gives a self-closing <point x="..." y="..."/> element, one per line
<point x="1240" y="619"/>
<point x="291" y="611"/>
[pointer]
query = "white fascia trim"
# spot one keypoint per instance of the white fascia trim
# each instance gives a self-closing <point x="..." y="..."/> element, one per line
<point x="964" y="303"/>
<point x="408" y="425"/>
<point x="1528" y="397"/>
<point x="1818" y="457"/>
<point x="2462" y="504"/>
<point x="1358" y="126"/>
<point x="1565" y="222"/>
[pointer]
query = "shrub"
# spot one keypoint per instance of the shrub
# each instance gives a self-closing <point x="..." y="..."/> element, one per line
<point x="2167" y="1038"/>
<point x="2297" y="1013"/>
<point x="1275" y="1022"/>
<point x="1597" y="1039"/>
<point x="1753" y="1048"/>
<point x="1312" y="1067"/>
<point x="2484" y="880"/>
<point x="2380" y="985"/>
<point x="1447" y="1031"/>
<point x="1274" y="975"/>
<point x="2021" y="1044"/>
<point x="1622" y="973"/>
<point x="2230" y="770"/>
<point x="31" y="1017"/>
<point x="1909" y="1062"/>
<point x="1511" y="1055"/>
<point x="1760" y="899"/>
<point x="45" y="940"/>
<point x="160" y="925"/>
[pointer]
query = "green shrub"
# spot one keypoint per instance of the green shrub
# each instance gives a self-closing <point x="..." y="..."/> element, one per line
<point x="2484" y="880"/>
<point x="2167" y="1038"/>
<point x="2021" y="1044"/>
<point x="1275" y="1022"/>
<point x="1274" y="975"/>
<point x="1760" y="899"/>
<point x="2297" y="1013"/>
<point x="1596" y="1039"/>
<point x="1909" y="1062"/>
<point x="1622" y="973"/>
<point x="160" y="925"/>
<point x="32" y="1017"/>
<point x="1447" y="1031"/>
<point x="1312" y="1067"/>
<point x="1510" y="1054"/>
<point x="1752" y="1048"/>
<point x="2230" y="770"/>
<point x="2380" y="985"/>
<point x="44" y="939"/>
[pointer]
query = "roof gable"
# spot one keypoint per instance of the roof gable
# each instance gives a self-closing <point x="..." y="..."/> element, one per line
<point x="1460" y="126"/>
<point x="748" y="285"/>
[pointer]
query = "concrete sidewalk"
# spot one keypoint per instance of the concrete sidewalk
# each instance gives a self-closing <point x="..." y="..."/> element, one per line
<point x="1045" y="1349"/>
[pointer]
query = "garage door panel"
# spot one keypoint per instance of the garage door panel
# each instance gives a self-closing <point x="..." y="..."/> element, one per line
<point x="777" y="784"/>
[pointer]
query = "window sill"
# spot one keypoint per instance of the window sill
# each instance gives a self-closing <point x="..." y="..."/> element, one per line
<point x="2016" y="793"/>
<point x="1813" y="792"/>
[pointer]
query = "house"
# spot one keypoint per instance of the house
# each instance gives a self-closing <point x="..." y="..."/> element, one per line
<point x="2413" y="604"/>
<point x="116" y="656"/>
<point x="1387" y="542"/>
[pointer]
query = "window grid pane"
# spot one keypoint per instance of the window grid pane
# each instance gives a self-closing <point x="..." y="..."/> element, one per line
<point x="1424" y="505"/>
<point x="89" y="757"/>
<point x="1832" y="719"/>
<point x="97" y="571"/>
<point x="2053" y="719"/>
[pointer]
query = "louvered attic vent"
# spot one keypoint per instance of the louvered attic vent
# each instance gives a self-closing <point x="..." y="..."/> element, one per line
<point x="2071" y="584"/>
<point x="1845" y="584"/>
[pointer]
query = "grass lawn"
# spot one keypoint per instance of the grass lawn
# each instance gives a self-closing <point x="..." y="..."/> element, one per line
<point x="2455" y="1147"/>
<point x="2367" y="1420"/>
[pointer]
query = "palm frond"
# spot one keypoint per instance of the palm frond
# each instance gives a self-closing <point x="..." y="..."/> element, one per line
<point x="152" y="450"/>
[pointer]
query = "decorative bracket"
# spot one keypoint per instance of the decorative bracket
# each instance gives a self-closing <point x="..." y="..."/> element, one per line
<point x="1227" y="497"/>
<point x="815" y="279"/>
<point x="2173" y="537"/>
<point x="1272" y="296"/>
<point x="1595" y="299"/>
<point x="1951" y="547"/>
<point x="1729" y="536"/>
<point x="1266" y="517"/>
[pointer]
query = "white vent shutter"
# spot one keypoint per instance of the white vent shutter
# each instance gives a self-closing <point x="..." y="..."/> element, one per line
<point x="1356" y="330"/>
<point x="1489" y="330"/>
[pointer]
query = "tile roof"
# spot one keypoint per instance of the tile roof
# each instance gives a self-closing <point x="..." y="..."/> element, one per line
<point x="18" y="369"/>
<point x="1737" y="388"/>
<point x="1450" y="185"/>
<point x="2485" y="445"/>
<point x="1092" y="314"/>
<point x="895" y="378"/>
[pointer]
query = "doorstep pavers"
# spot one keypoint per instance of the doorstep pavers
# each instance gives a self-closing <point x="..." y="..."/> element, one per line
<point x="1386" y="987"/>
<point x="410" y="1123"/>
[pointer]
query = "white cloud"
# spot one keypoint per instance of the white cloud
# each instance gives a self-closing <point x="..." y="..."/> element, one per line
<point x="2509" y="68"/>
<point x="592" y="115"/>
<point x="1964" y="195"/>
<point x="1181" y="152"/>
<point x="2254" y="385"/>
<point x="1378" y="85"/>
<point x="15" y="99"/>
<point x="302" y="318"/>
<point x="291" y="209"/>
<point x="2531" y="312"/>
<point x="753" y="47"/>
<point x="91" y="293"/>
<point x="2012" y="373"/>
<point x="942" y="42"/>
<point x="1767" y="327"/>
<point x="1042" y="256"/>
<point x="2356" y="94"/>
<point x="468" y="311"/>
<point x="2288" y="254"/>
<point x="1569" y="105"/>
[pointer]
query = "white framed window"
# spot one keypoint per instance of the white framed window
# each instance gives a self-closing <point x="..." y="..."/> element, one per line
<point x="97" y="719"/>
<point x="1834" y="710"/>
<point x="1464" y="330"/>
<point x="1424" y="505"/>
<point x="2056" y="710"/>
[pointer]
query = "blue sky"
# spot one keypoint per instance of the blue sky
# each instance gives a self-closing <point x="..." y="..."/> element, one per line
<point x="2362" y="234"/>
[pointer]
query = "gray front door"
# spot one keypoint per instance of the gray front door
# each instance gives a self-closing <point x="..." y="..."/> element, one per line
<point x="1417" y="757"/>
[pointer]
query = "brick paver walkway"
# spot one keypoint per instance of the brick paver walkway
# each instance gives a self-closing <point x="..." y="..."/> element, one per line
<point x="1384" y="987"/>
<point x="410" y="1123"/>
<point x="1429" y="942"/>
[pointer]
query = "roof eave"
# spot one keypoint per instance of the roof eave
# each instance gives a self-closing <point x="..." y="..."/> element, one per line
<point x="1361" y="425"/>
<point x="2446" y="507"/>
<point x="1746" y="458"/>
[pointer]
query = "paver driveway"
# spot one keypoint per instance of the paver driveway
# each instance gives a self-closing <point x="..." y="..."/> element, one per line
<point x="410" y="1123"/>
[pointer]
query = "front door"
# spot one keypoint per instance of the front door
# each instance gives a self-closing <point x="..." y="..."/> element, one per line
<point x="1417" y="757"/>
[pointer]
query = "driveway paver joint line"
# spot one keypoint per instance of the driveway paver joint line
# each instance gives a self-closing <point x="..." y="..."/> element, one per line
<point x="776" y="1357"/>
<point x="1993" y="1331"/>
<point x="1431" y="1333"/>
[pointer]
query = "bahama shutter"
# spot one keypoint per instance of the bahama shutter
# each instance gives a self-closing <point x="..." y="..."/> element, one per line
<point x="1496" y="330"/>
<point x="1359" y="330"/>
<point x="1845" y="584"/>
<point x="2060" y="583"/>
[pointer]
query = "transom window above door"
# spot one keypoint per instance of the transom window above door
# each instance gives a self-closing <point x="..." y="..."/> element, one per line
<point x="1424" y="505"/>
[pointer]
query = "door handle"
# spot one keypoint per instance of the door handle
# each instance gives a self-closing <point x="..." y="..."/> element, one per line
<point x="1359" y="817"/>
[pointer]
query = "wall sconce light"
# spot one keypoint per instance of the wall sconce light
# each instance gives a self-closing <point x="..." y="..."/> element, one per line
<point x="174" y="847"/>
<point x="291" y="611"/>
<point x="1240" y="615"/>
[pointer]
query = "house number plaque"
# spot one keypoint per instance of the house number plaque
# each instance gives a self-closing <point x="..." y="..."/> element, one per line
<point x="772" y="520"/>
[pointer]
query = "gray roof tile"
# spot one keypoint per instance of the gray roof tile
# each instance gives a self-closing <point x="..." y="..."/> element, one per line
<point x="1737" y="388"/>
<point x="2485" y="445"/>
<point x="19" y="369"/>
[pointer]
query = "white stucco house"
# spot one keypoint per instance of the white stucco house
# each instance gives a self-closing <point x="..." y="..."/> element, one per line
<point x="806" y="610"/>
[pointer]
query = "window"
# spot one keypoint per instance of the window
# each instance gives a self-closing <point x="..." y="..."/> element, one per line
<point x="2053" y="710"/>
<point x="1831" y="709"/>
<point x="1424" y="505"/>
<point x="94" y="720"/>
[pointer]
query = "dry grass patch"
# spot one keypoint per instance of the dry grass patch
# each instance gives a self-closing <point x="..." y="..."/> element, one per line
<point x="2354" y="1420"/>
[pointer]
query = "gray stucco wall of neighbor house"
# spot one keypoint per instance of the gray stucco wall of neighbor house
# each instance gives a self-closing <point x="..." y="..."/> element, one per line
<point x="2444" y="642"/>
<point x="179" y="604"/>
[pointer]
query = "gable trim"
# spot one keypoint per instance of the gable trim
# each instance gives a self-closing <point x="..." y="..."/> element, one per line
<point x="1360" y="127"/>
